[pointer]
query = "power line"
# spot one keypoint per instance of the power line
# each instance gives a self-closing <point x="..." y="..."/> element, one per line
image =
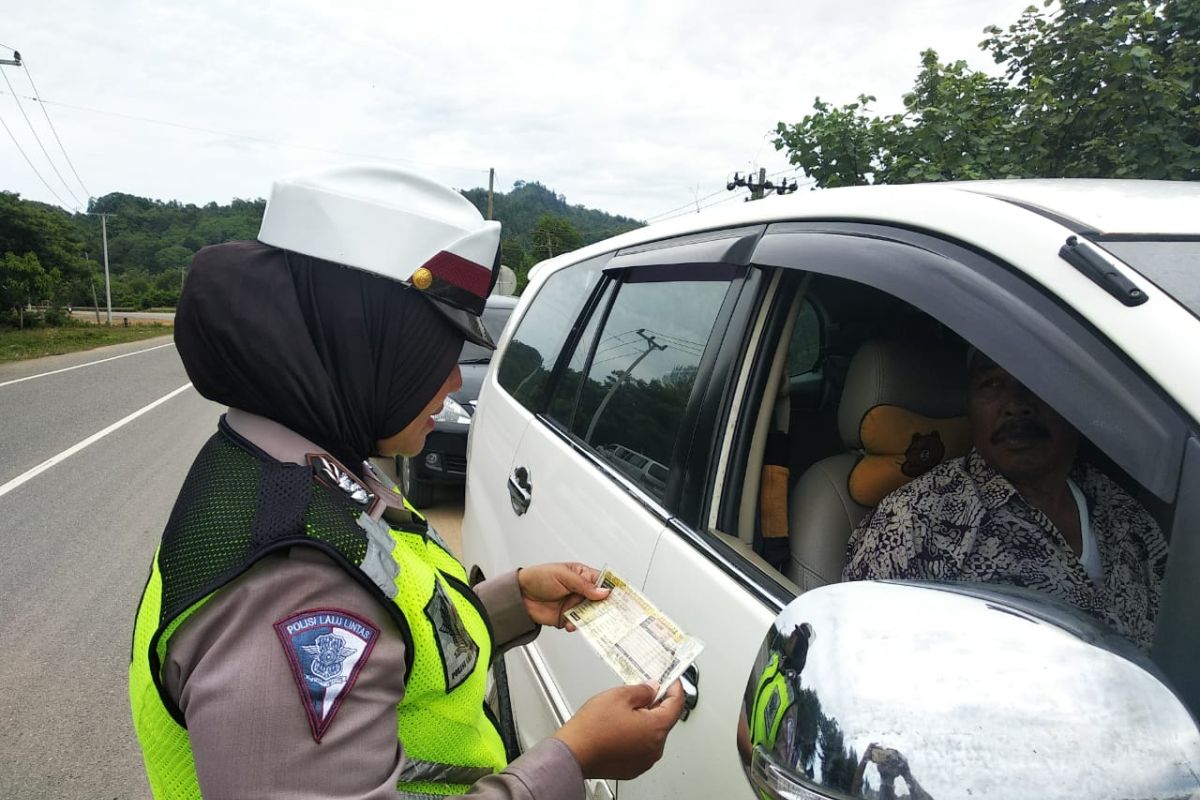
<point x="38" y="139"/>
<point x="710" y="205"/>
<point x="259" y="139"/>
<point x="30" y="163"/>
<point x="687" y="206"/>
<point x="53" y="130"/>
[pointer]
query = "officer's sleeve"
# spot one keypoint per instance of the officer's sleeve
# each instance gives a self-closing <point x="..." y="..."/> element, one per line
<point x="251" y="723"/>
<point x="511" y="625"/>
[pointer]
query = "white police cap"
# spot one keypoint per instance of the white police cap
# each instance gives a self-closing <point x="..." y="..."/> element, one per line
<point x="393" y="223"/>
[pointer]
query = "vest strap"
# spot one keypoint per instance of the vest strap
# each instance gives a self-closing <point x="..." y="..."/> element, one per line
<point x="415" y="770"/>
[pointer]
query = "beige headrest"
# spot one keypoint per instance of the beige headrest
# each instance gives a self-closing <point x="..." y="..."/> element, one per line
<point x="925" y="378"/>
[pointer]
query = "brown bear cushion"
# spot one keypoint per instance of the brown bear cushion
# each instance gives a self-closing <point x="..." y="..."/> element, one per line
<point x="899" y="445"/>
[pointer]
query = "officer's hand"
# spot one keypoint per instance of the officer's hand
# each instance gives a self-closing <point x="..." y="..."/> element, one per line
<point x="549" y="590"/>
<point x="614" y="735"/>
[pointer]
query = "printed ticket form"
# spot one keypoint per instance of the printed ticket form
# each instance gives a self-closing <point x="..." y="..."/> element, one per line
<point x="633" y="637"/>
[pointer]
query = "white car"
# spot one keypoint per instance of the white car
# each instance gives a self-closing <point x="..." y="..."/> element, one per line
<point x="700" y="344"/>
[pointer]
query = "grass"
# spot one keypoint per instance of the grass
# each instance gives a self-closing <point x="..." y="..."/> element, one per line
<point x="17" y="345"/>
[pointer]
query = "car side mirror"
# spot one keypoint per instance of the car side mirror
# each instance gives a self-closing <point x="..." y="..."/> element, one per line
<point x="924" y="691"/>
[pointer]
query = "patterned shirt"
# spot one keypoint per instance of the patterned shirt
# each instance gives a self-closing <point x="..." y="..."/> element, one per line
<point x="963" y="521"/>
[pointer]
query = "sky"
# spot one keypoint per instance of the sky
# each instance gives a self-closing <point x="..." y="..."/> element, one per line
<point x="638" y="108"/>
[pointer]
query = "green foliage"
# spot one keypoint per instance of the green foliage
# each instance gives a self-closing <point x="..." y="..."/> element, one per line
<point x="16" y="345"/>
<point x="521" y="209"/>
<point x="554" y="236"/>
<point x="23" y="281"/>
<point x="151" y="242"/>
<point x="1091" y="89"/>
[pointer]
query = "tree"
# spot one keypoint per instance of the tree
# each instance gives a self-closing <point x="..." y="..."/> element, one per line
<point x="1090" y="89"/>
<point x="22" y="281"/>
<point x="554" y="236"/>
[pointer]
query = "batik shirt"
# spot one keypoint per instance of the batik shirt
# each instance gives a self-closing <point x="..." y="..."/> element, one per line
<point x="963" y="521"/>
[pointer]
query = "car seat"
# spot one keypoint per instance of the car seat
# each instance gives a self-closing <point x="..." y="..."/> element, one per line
<point x="923" y="381"/>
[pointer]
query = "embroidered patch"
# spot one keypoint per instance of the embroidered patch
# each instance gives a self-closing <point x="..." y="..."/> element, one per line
<point x="326" y="649"/>
<point x="458" y="650"/>
<point x="771" y="711"/>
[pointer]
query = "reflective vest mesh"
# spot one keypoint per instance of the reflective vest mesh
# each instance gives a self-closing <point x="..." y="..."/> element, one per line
<point x="772" y="697"/>
<point x="236" y="507"/>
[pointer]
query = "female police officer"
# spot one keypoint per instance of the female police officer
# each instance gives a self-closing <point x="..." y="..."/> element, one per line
<point x="303" y="632"/>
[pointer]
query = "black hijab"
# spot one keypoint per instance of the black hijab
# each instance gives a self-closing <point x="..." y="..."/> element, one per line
<point x="341" y="356"/>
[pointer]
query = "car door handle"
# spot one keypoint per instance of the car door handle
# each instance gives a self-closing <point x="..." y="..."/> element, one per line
<point x="690" y="681"/>
<point x="520" y="490"/>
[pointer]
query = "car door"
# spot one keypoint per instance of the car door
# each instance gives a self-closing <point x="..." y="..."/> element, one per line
<point x="592" y="473"/>
<point x="702" y="574"/>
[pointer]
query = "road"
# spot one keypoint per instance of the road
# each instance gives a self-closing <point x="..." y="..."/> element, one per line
<point x="78" y="535"/>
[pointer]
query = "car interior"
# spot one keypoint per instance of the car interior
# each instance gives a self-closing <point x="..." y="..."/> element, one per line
<point x="855" y="373"/>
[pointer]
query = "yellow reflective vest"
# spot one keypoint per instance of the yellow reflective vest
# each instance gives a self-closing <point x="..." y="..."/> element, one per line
<point x="772" y="699"/>
<point x="215" y="534"/>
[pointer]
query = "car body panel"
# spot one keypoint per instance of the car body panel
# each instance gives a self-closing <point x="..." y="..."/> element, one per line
<point x="707" y="603"/>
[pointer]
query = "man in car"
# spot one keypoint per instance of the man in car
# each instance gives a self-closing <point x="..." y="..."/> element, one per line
<point x="1019" y="509"/>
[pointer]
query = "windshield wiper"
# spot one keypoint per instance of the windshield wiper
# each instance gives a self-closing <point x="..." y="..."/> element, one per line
<point x="475" y="361"/>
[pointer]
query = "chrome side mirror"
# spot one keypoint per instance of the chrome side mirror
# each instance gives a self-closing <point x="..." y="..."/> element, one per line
<point x="932" y="692"/>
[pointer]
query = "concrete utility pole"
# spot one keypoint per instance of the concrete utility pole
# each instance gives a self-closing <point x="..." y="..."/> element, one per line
<point x="651" y="346"/>
<point x="756" y="190"/>
<point x="491" y="181"/>
<point x="95" y="302"/>
<point x="107" y="284"/>
<point x="760" y="189"/>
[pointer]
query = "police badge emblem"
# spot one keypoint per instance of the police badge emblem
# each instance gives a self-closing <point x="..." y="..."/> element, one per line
<point x="458" y="650"/>
<point x="326" y="649"/>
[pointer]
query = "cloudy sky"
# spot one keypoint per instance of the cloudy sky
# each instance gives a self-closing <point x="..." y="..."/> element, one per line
<point x="636" y="108"/>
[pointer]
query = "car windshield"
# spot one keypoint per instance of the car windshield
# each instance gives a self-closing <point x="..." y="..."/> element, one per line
<point x="493" y="321"/>
<point x="1174" y="266"/>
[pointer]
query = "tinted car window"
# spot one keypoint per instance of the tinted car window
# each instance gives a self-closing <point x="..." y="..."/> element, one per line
<point x="543" y="330"/>
<point x="805" y="347"/>
<point x="493" y="322"/>
<point x="566" y="392"/>
<point x="640" y="375"/>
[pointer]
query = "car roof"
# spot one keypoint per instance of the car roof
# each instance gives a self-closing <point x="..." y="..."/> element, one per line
<point x="1104" y="206"/>
<point x="1094" y="205"/>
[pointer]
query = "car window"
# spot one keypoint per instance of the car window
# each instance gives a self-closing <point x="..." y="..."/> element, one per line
<point x="639" y="375"/>
<point x="566" y="393"/>
<point x="543" y="330"/>
<point x="493" y="322"/>
<point x="805" y="347"/>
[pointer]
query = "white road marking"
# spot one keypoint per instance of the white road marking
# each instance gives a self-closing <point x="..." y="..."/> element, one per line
<point x="95" y="437"/>
<point x="88" y="364"/>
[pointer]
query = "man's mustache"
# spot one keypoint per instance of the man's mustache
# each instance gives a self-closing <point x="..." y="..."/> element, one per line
<point x="1020" y="428"/>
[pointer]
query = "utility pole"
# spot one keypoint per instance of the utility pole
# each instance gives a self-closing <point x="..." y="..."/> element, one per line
<point x="107" y="283"/>
<point x="760" y="189"/>
<point x="15" y="61"/>
<point x="491" y="181"/>
<point x="95" y="303"/>
<point x="651" y="346"/>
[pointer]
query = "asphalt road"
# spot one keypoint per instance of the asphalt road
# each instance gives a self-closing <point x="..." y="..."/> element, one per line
<point x="77" y="542"/>
<point x="77" y="539"/>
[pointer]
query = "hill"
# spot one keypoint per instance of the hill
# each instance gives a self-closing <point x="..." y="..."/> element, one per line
<point x="151" y="242"/>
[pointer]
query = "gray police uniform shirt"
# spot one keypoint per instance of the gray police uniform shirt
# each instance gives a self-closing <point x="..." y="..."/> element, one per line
<point x="248" y="727"/>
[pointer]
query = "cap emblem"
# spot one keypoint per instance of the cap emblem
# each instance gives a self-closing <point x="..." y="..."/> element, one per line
<point x="422" y="279"/>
